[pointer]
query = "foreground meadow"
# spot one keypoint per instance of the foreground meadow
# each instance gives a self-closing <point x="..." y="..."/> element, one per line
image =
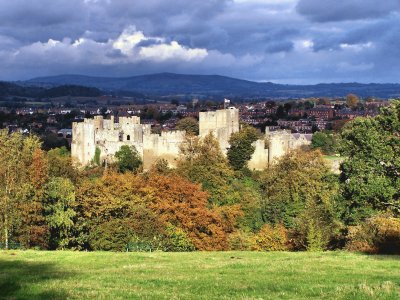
<point x="197" y="275"/>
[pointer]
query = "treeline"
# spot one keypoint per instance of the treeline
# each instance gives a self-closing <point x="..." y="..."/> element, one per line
<point x="8" y="89"/>
<point x="210" y="201"/>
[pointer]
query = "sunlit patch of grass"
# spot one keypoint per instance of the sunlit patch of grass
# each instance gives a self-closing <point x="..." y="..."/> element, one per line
<point x="198" y="275"/>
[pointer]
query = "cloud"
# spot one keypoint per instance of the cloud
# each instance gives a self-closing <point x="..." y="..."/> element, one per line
<point x="267" y="40"/>
<point x="47" y="13"/>
<point x="127" y="48"/>
<point x="284" y="46"/>
<point x="333" y="10"/>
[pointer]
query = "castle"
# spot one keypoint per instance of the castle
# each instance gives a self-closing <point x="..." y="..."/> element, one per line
<point x="107" y="137"/>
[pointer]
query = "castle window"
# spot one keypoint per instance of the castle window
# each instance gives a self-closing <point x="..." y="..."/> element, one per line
<point x="121" y="137"/>
<point x="128" y="137"/>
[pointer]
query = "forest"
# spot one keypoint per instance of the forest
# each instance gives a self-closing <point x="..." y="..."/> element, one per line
<point x="211" y="201"/>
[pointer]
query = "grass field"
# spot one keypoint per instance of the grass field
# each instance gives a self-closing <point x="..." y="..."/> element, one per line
<point x="199" y="275"/>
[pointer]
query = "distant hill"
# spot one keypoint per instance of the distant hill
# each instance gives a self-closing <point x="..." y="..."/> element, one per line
<point x="11" y="89"/>
<point x="71" y="90"/>
<point x="8" y="89"/>
<point x="169" y="84"/>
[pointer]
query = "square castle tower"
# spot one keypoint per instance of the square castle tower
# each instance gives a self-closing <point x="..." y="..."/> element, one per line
<point x="107" y="136"/>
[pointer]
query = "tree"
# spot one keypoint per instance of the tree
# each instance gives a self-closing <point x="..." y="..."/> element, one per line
<point x="60" y="211"/>
<point x="352" y="100"/>
<point x="110" y="207"/>
<point x="16" y="154"/>
<point x="241" y="148"/>
<point x="298" y="192"/>
<point x="128" y="159"/>
<point x="52" y="140"/>
<point x="202" y="161"/>
<point x="146" y="206"/>
<point x="61" y="165"/>
<point x="324" y="141"/>
<point x="183" y="204"/>
<point x="96" y="158"/>
<point x="370" y="179"/>
<point x="250" y="195"/>
<point x="34" y="231"/>
<point x="189" y="124"/>
<point x="161" y="166"/>
<point x="323" y="101"/>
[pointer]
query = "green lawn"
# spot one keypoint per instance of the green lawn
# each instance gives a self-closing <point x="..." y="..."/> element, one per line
<point x="199" y="275"/>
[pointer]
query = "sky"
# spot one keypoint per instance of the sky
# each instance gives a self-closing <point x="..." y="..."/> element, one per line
<point x="282" y="41"/>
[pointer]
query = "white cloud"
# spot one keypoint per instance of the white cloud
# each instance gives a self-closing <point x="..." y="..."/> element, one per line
<point x="129" y="44"/>
<point x="85" y="50"/>
<point x="356" y="47"/>
<point x="172" y="51"/>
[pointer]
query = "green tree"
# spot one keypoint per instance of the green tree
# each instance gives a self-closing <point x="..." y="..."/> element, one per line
<point x="202" y="161"/>
<point x="250" y="196"/>
<point x="61" y="165"/>
<point x="370" y="178"/>
<point x="324" y="141"/>
<point x="128" y="159"/>
<point x="16" y="155"/>
<point x="96" y="158"/>
<point x="241" y="148"/>
<point x="60" y="211"/>
<point x="299" y="192"/>
<point x="177" y="240"/>
<point x="189" y="124"/>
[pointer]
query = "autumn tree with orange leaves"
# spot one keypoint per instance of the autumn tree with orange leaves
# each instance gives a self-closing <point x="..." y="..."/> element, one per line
<point x="148" y="205"/>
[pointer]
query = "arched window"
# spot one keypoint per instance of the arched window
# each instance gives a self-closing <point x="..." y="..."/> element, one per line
<point x="128" y="137"/>
<point x="121" y="137"/>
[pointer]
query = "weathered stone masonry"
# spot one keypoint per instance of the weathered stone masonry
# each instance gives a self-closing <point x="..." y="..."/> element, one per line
<point x="108" y="137"/>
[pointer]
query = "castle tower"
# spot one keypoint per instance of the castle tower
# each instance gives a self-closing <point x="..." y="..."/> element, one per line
<point x="222" y="123"/>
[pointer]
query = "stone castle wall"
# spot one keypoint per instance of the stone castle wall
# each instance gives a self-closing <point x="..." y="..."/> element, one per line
<point x="259" y="159"/>
<point x="282" y="141"/>
<point x="108" y="136"/>
<point x="165" y="146"/>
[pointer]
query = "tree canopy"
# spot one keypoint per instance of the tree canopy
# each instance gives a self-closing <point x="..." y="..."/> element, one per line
<point x="188" y="124"/>
<point x="324" y="141"/>
<point x="298" y="192"/>
<point x="371" y="173"/>
<point x="128" y="159"/>
<point x="241" y="148"/>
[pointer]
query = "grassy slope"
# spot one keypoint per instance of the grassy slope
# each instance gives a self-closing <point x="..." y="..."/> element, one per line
<point x="200" y="275"/>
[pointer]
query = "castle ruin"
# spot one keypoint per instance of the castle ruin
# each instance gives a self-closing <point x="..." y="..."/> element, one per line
<point x="108" y="136"/>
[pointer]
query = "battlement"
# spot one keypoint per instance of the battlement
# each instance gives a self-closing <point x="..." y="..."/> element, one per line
<point x="108" y="136"/>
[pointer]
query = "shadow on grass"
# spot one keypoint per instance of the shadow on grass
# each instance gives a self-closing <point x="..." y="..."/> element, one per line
<point x="30" y="280"/>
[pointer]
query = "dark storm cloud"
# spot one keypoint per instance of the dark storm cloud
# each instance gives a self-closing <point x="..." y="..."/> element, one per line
<point x="279" y="40"/>
<point x="337" y="10"/>
<point x="44" y="13"/>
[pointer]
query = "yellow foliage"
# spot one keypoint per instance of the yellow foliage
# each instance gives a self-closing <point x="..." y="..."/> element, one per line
<point x="271" y="239"/>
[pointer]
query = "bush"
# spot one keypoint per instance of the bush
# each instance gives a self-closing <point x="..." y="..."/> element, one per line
<point x="241" y="241"/>
<point x="315" y="240"/>
<point x="271" y="239"/>
<point x="379" y="235"/>
<point x="177" y="240"/>
<point x="111" y="236"/>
